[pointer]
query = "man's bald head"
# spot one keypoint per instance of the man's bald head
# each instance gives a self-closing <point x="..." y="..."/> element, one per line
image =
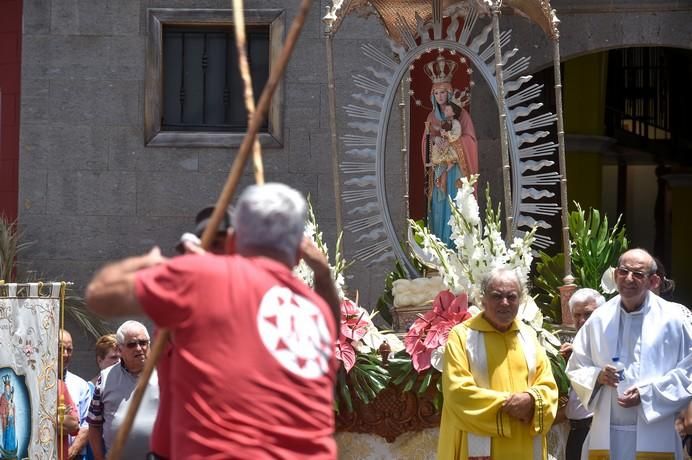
<point x="642" y="254"/>
<point x="633" y="277"/>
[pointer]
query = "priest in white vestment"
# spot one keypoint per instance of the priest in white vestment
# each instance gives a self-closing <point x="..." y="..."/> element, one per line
<point x="638" y="333"/>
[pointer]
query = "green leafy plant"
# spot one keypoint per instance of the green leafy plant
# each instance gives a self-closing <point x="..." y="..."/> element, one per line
<point x="364" y="381"/>
<point x="595" y="247"/>
<point x="386" y="301"/>
<point x="558" y="365"/>
<point x="405" y="376"/>
<point x="549" y="271"/>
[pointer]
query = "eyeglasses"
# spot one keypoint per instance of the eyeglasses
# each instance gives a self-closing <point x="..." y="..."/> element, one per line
<point x="133" y="344"/>
<point x="624" y="271"/>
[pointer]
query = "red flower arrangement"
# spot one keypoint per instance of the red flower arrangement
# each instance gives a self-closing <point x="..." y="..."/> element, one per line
<point x="355" y="322"/>
<point x="430" y="331"/>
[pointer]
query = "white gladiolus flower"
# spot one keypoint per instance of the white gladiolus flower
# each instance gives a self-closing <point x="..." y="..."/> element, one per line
<point x="303" y="272"/>
<point x="479" y="245"/>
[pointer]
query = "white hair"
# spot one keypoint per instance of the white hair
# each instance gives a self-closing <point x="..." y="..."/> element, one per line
<point x="584" y="295"/>
<point x="498" y="273"/>
<point x="129" y="327"/>
<point x="270" y="216"/>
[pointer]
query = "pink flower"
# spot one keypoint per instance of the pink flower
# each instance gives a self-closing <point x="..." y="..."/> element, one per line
<point x="355" y="322"/>
<point x="345" y="352"/>
<point x="431" y="330"/>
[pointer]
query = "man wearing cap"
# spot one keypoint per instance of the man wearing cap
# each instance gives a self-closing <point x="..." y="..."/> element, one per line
<point x="253" y="345"/>
<point x="191" y="243"/>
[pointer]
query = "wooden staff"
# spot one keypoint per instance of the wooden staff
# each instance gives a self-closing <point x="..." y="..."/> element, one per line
<point x="239" y="27"/>
<point x="220" y="208"/>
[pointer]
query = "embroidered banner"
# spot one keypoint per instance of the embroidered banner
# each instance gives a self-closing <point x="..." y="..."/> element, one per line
<point x="29" y="324"/>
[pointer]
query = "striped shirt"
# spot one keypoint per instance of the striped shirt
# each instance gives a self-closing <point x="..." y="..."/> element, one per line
<point x="109" y="404"/>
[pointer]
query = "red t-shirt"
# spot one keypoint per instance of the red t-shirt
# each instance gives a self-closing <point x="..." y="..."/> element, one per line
<point x="252" y="370"/>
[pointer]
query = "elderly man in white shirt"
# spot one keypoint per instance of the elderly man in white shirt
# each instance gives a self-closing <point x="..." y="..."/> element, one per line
<point x="113" y="394"/>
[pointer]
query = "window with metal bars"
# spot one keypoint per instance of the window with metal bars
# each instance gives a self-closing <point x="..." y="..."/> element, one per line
<point x="193" y="93"/>
<point x="638" y="100"/>
<point x="202" y="87"/>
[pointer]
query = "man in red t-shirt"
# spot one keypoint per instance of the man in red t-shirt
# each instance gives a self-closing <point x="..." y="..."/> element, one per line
<point x="252" y="367"/>
<point x="160" y="436"/>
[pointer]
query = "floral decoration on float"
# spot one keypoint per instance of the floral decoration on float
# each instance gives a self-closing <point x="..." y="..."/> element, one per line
<point x="376" y="359"/>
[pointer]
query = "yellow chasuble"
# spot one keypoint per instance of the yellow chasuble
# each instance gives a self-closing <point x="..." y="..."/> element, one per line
<point x="469" y="407"/>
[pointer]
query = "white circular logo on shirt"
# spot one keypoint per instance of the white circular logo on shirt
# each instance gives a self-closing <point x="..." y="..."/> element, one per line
<point x="295" y="332"/>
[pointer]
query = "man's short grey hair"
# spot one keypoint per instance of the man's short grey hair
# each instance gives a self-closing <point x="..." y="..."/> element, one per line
<point x="270" y="216"/>
<point x="501" y="272"/>
<point x="584" y="295"/>
<point x="129" y="327"/>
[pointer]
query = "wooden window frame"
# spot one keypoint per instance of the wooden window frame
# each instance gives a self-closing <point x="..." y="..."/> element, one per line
<point x="153" y="82"/>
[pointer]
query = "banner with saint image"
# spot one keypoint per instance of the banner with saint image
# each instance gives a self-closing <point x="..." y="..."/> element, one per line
<point x="29" y="325"/>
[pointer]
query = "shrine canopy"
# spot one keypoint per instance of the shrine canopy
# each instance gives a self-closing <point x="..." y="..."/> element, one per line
<point x="396" y="14"/>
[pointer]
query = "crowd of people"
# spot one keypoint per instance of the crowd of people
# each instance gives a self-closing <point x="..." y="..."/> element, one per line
<point x="249" y="370"/>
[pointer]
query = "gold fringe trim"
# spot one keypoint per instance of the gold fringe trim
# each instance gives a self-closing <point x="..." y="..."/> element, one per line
<point x="599" y="454"/>
<point x="605" y="455"/>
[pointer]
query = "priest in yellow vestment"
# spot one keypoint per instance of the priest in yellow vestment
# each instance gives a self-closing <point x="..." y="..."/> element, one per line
<point x="500" y="397"/>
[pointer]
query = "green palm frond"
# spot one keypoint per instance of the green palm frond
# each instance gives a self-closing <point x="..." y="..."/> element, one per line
<point x="10" y="246"/>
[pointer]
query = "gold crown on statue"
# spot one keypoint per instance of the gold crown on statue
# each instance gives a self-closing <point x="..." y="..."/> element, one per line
<point x="440" y="70"/>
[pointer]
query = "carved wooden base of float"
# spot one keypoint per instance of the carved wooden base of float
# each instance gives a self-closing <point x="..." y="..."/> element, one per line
<point x="391" y="414"/>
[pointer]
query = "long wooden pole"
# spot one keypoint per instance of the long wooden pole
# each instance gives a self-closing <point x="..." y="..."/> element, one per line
<point x="240" y="41"/>
<point x="564" y="215"/>
<point x="502" y="112"/>
<point x="221" y="206"/>
<point x="334" y="141"/>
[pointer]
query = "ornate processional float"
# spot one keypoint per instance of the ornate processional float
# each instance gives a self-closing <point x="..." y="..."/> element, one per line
<point x="412" y="114"/>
